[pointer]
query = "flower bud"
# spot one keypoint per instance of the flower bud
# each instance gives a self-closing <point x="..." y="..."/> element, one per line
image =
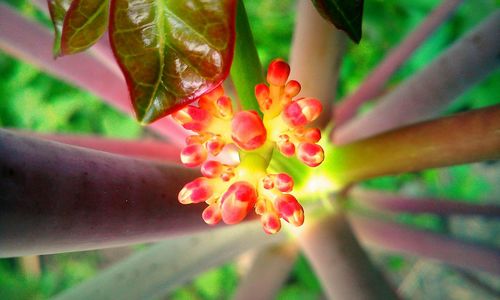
<point x="248" y="131"/>
<point x="310" y="154"/>
<point x="302" y="112"/>
<point x="292" y="88"/>
<point x="215" y="145"/>
<point x="277" y="73"/>
<point x="212" y="215"/>
<point x="270" y="222"/>
<point x="193" y="118"/>
<point x="237" y="201"/>
<point x="196" y="191"/>
<point x="284" y="183"/>
<point x="262" y="95"/>
<point x="211" y="168"/>
<point x="193" y="155"/>
<point x="290" y="209"/>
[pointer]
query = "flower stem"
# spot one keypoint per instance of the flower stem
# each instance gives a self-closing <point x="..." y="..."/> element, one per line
<point x="246" y="70"/>
<point x="459" y="139"/>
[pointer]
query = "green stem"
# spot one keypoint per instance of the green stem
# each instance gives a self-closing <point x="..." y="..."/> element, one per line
<point x="246" y="70"/>
<point x="463" y="138"/>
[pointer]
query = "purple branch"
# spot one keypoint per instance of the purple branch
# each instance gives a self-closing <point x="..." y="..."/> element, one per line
<point x="57" y="198"/>
<point x="406" y="240"/>
<point x="342" y="266"/>
<point x="152" y="273"/>
<point x="31" y="42"/>
<point x="373" y="84"/>
<point x="428" y="92"/>
<point x="316" y="56"/>
<point x="400" y="203"/>
<point x="148" y="149"/>
<point x="269" y="270"/>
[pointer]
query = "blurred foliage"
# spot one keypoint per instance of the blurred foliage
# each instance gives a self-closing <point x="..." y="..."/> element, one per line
<point x="34" y="101"/>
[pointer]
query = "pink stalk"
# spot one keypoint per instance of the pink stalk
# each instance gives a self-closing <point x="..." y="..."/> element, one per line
<point x="58" y="198"/>
<point x="428" y="92"/>
<point x="148" y="149"/>
<point x="152" y="273"/>
<point x="403" y="239"/>
<point x="463" y="138"/>
<point x="344" y="269"/>
<point x="374" y="83"/>
<point x="400" y="203"/>
<point x="315" y="58"/>
<point x="31" y="42"/>
<point x="267" y="273"/>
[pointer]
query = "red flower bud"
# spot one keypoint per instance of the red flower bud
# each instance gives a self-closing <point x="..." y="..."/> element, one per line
<point x="215" y="145"/>
<point x="193" y="155"/>
<point x="277" y="73"/>
<point x="211" y="169"/>
<point x="270" y="222"/>
<point x="198" y="190"/>
<point x="292" y="88"/>
<point x="237" y="201"/>
<point x="211" y="215"/>
<point x="310" y="154"/>
<point x="301" y="112"/>
<point x="192" y="118"/>
<point x="284" y="183"/>
<point x="286" y="148"/>
<point x="290" y="209"/>
<point x="248" y="131"/>
<point x="262" y="95"/>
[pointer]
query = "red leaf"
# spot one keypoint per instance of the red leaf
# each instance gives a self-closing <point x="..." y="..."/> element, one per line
<point x="171" y="52"/>
<point x="78" y="24"/>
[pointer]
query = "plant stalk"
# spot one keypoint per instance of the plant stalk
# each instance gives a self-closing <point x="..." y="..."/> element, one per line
<point x="344" y="269"/>
<point x="399" y="238"/>
<point x="404" y="204"/>
<point x="315" y="59"/>
<point x="246" y="70"/>
<point x="428" y="92"/>
<point x="58" y="198"/>
<point x="372" y="86"/>
<point x="463" y="138"/>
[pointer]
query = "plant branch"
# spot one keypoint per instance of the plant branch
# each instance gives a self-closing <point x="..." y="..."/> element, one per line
<point x="30" y="42"/>
<point x="152" y="273"/>
<point x="400" y="203"/>
<point x="463" y="138"/>
<point x="246" y="70"/>
<point x="315" y="58"/>
<point x="344" y="269"/>
<point x="147" y="149"/>
<point x="428" y="92"/>
<point x="267" y="273"/>
<point x="406" y="240"/>
<point x="58" y="198"/>
<point x="374" y="83"/>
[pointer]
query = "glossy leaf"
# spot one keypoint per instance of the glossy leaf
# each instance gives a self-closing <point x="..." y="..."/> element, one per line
<point x="346" y="15"/>
<point x="171" y="52"/>
<point x="78" y="24"/>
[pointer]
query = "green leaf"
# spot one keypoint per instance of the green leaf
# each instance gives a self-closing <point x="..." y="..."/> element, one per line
<point x="346" y="15"/>
<point x="171" y="52"/>
<point x="78" y="24"/>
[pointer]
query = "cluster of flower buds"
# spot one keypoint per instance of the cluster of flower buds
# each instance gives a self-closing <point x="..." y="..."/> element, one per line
<point x="232" y="191"/>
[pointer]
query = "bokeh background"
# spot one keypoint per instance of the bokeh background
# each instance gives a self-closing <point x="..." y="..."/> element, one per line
<point x="32" y="100"/>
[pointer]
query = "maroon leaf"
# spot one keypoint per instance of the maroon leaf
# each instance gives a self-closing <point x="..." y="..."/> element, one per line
<point x="78" y="24"/>
<point x="171" y="52"/>
<point x="346" y="15"/>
